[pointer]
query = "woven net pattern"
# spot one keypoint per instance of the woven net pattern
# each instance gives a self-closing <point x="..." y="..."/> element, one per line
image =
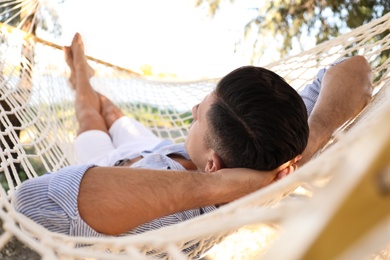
<point x="38" y="127"/>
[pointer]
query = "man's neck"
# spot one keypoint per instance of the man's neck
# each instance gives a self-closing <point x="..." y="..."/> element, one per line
<point x="187" y="164"/>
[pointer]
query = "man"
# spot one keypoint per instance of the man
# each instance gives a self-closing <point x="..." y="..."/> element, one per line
<point x="96" y="201"/>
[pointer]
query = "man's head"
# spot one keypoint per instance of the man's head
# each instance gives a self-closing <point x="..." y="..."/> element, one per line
<point x="253" y="119"/>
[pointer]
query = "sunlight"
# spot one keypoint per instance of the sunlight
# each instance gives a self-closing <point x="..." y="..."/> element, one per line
<point x="171" y="37"/>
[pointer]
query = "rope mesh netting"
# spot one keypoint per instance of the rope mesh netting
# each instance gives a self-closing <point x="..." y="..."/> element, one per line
<point x="38" y="127"/>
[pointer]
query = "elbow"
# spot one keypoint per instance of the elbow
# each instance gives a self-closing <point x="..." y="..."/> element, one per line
<point x="31" y="199"/>
<point x="357" y="71"/>
<point x="23" y="200"/>
<point x="360" y="65"/>
<point x="363" y="72"/>
<point x="20" y="200"/>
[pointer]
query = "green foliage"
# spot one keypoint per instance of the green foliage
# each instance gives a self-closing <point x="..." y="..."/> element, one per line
<point x="9" y="12"/>
<point x="323" y="19"/>
<point x="44" y="18"/>
<point x="319" y="18"/>
<point x="36" y="164"/>
<point x="212" y="4"/>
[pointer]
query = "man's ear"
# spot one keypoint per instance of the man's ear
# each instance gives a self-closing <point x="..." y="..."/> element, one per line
<point x="213" y="162"/>
<point x="288" y="167"/>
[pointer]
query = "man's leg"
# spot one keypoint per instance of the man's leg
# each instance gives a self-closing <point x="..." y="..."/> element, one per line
<point x="110" y="112"/>
<point x="97" y="141"/>
<point x="87" y="101"/>
<point x="87" y="98"/>
<point x="93" y="142"/>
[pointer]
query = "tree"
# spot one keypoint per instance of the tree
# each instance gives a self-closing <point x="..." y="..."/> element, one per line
<point x="290" y="19"/>
<point x="25" y="16"/>
<point x="14" y="13"/>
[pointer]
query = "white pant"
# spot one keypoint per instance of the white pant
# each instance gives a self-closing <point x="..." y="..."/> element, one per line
<point x="126" y="139"/>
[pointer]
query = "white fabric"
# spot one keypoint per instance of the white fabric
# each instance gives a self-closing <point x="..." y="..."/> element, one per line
<point x="130" y="138"/>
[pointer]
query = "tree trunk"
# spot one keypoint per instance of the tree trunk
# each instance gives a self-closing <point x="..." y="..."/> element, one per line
<point x="24" y="85"/>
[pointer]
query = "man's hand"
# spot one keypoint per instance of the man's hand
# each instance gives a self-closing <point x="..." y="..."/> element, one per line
<point x="232" y="184"/>
<point x="113" y="200"/>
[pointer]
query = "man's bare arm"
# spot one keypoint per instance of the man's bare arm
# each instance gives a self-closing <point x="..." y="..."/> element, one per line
<point x="116" y="200"/>
<point x="346" y="89"/>
<point x="113" y="200"/>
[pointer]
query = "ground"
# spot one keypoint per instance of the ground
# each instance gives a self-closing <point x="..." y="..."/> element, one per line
<point x="15" y="250"/>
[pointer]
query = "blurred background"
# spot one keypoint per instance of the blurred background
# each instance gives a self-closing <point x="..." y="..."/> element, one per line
<point x="195" y="39"/>
<point x="191" y="40"/>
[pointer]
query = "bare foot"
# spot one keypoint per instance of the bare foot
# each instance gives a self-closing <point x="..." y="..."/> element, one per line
<point x="69" y="61"/>
<point x="79" y="60"/>
<point x="76" y="60"/>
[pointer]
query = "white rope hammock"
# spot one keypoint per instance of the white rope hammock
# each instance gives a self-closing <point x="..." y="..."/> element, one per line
<point x="34" y="92"/>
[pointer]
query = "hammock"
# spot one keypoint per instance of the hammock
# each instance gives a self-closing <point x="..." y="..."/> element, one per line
<point x="38" y="127"/>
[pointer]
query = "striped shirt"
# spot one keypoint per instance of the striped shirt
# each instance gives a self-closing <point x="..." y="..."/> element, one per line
<point x="51" y="200"/>
<point x="311" y="91"/>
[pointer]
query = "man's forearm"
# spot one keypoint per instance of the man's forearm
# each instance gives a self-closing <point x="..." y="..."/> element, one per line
<point x="346" y="89"/>
<point x="114" y="200"/>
